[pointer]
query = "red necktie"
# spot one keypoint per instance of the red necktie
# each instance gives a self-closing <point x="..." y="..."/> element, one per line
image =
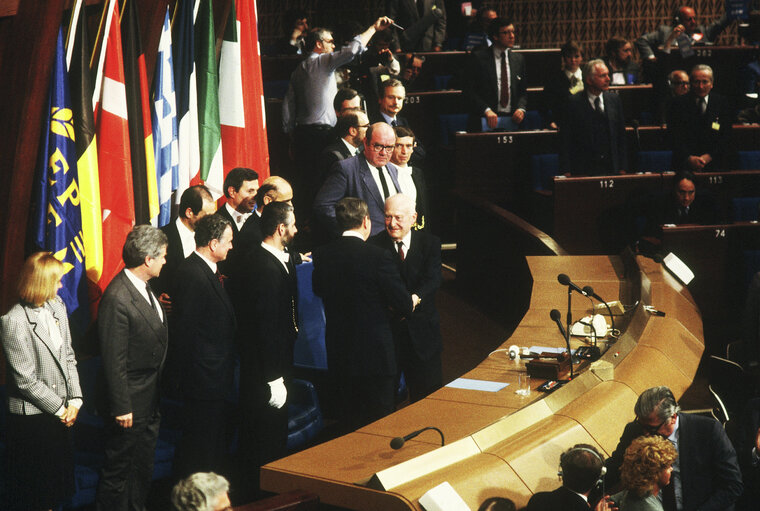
<point x="401" y="255"/>
<point x="504" y="96"/>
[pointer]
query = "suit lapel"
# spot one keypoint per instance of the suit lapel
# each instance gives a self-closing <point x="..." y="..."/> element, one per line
<point x="33" y="316"/>
<point x="142" y="305"/>
<point x="213" y="281"/>
<point x="411" y="5"/>
<point x="369" y="181"/>
<point x="490" y="65"/>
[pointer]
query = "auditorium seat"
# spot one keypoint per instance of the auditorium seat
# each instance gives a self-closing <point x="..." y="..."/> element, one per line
<point x="441" y="82"/>
<point x="532" y="121"/>
<point x="543" y="168"/>
<point x="654" y="161"/>
<point x="304" y="414"/>
<point x="309" y="351"/>
<point x="450" y="124"/>
<point x="745" y="209"/>
<point x="276" y="88"/>
<point x="505" y="124"/>
<point x="749" y="160"/>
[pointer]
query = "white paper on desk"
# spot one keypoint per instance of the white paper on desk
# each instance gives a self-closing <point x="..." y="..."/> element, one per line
<point x="547" y="349"/>
<point x="678" y="267"/>
<point x="443" y="498"/>
<point x="468" y="384"/>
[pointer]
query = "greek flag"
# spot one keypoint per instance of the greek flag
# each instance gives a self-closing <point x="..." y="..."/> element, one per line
<point x="165" y="125"/>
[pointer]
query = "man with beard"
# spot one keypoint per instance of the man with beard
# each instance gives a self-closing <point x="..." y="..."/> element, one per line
<point x="268" y="322"/>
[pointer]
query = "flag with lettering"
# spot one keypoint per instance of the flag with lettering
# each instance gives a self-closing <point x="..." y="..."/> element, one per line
<point x="165" y="125"/>
<point x="80" y="81"/>
<point x="241" y="93"/>
<point x="186" y="95"/>
<point x="114" y="158"/>
<point x="212" y="173"/>
<point x="57" y="220"/>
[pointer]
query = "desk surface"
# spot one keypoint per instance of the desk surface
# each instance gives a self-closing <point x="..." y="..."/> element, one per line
<point x="501" y="444"/>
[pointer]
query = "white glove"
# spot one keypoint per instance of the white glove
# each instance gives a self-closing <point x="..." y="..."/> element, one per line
<point x="278" y="391"/>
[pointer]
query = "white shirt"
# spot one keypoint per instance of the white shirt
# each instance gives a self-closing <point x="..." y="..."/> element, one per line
<point x="140" y="286"/>
<point x="497" y="63"/>
<point x="187" y="237"/>
<point x="281" y="255"/>
<point x="592" y="100"/>
<point x="353" y="150"/>
<point x="354" y="234"/>
<point x="407" y="242"/>
<point x="211" y="264"/>
<point x="406" y="182"/>
<point x="237" y="217"/>
<point x="388" y="181"/>
<point x="389" y="119"/>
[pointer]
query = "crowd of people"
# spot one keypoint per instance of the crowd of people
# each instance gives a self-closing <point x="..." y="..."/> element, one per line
<point x="216" y="289"/>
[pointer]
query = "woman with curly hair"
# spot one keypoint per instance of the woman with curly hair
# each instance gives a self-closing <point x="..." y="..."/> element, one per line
<point x="646" y="470"/>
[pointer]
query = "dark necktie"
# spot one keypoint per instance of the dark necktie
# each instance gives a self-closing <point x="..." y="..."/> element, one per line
<point x="504" y="95"/>
<point x="702" y="106"/>
<point x="220" y="277"/>
<point x="421" y="7"/>
<point x="393" y="123"/>
<point x="669" y="497"/>
<point x="152" y="301"/>
<point x="383" y="182"/>
<point x="598" y="105"/>
<point x="401" y="254"/>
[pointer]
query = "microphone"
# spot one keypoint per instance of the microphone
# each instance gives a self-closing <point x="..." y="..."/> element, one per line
<point x="590" y="291"/>
<point x="557" y="318"/>
<point x="399" y="441"/>
<point x="565" y="281"/>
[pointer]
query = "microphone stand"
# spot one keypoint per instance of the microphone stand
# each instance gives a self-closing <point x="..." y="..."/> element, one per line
<point x="567" y="330"/>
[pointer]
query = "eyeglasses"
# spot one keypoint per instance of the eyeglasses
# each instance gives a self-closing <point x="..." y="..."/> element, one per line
<point x="379" y="148"/>
<point x="652" y="429"/>
<point x="363" y="125"/>
<point x="328" y="41"/>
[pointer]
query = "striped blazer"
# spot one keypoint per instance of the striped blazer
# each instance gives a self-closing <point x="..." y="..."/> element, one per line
<point x="39" y="379"/>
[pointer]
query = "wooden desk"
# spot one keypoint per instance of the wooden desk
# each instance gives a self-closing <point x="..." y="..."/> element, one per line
<point x="502" y="444"/>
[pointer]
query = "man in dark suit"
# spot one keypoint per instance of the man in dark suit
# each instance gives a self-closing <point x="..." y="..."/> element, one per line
<point x="581" y="469"/>
<point x="205" y="331"/>
<point x="418" y="256"/>
<point x="389" y="105"/>
<point x="351" y="130"/>
<point x="706" y="474"/>
<point x="495" y="83"/>
<point x="359" y="282"/>
<point x="424" y="23"/>
<point x="133" y="338"/>
<point x="240" y="187"/>
<point x="268" y="322"/>
<point x="700" y="126"/>
<point x="368" y="176"/>
<point x="195" y="203"/>
<point x="593" y="135"/>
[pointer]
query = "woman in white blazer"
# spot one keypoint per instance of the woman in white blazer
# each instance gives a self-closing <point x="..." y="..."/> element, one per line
<point x="43" y="390"/>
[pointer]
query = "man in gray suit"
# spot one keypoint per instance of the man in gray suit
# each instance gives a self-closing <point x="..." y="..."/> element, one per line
<point x="133" y="339"/>
<point x="369" y="176"/>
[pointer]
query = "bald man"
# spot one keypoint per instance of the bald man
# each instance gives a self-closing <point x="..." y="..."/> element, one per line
<point x="418" y="256"/>
<point x="369" y="176"/>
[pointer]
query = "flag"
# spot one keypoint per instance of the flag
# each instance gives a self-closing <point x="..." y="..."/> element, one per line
<point x="77" y="60"/>
<point x="165" y="125"/>
<point x="114" y="158"/>
<point x="241" y="93"/>
<point x="138" y="109"/>
<point x="186" y="95"/>
<point x="57" y="221"/>
<point x="212" y="173"/>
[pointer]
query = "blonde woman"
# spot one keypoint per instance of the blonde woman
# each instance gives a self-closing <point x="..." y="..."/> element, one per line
<point x="646" y="470"/>
<point x="43" y="388"/>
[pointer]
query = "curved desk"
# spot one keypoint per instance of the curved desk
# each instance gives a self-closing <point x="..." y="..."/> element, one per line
<point x="501" y="444"/>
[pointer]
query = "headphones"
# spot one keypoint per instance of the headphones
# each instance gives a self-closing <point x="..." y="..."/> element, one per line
<point x="563" y="458"/>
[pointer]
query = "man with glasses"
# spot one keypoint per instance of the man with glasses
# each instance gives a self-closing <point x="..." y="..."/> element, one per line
<point x="495" y="83"/>
<point x="706" y="474"/>
<point x="351" y="130"/>
<point x="368" y="176"/>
